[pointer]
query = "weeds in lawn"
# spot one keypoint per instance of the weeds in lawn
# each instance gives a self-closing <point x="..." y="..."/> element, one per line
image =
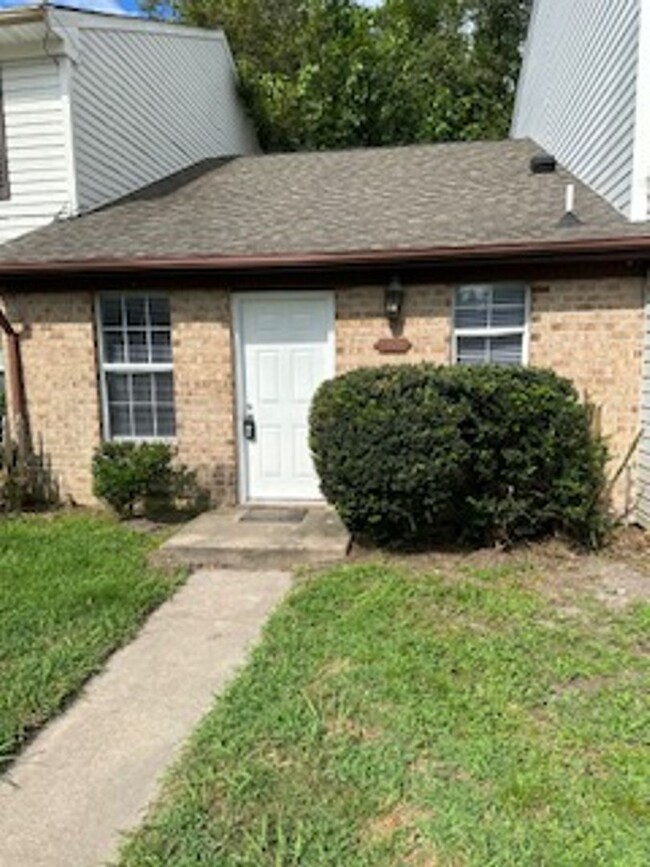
<point x="394" y="718"/>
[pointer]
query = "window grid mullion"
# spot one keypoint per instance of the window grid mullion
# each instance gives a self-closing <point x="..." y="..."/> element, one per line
<point x="154" y="402"/>
<point x="147" y="325"/>
<point x="492" y="332"/>
<point x="125" y="331"/>
<point x="129" y="384"/>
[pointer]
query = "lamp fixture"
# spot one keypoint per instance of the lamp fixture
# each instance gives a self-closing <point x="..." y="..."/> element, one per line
<point x="394" y="299"/>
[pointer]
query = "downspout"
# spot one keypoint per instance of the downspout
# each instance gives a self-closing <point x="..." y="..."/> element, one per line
<point x="15" y="377"/>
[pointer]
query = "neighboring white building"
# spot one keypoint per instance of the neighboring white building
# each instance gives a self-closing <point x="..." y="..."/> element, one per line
<point x="584" y="94"/>
<point x="96" y="106"/>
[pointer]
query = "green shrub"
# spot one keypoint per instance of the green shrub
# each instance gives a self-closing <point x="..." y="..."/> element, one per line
<point x="126" y="475"/>
<point x="410" y="454"/>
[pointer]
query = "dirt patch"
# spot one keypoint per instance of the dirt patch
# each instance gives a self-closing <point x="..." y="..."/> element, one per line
<point x="587" y="685"/>
<point x="401" y="818"/>
<point x="618" y="576"/>
<point x="338" y="726"/>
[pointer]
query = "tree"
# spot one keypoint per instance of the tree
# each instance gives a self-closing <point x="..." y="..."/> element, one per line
<point x="333" y="73"/>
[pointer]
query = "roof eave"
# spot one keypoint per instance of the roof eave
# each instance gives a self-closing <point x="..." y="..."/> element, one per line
<point x="587" y="250"/>
<point x="22" y="15"/>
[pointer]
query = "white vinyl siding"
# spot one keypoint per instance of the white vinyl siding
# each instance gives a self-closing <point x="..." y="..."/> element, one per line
<point x="577" y="94"/>
<point x="490" y="324"/>
<point x="137" y="368"/>
<point x="36" y="146"/>
<point x="146" y="105"/>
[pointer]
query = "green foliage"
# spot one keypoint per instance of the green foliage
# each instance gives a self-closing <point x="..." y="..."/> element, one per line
<point x="26" y="479"/>
<point x="409" y="454"/>
<point x="127" y="475"/>
<point x="334" y="73"/>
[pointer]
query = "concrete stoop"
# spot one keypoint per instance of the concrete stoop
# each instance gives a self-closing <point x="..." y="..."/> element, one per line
<point x="261" y="537"/>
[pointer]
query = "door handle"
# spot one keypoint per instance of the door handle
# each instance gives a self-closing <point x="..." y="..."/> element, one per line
<point x="250" y="428"/>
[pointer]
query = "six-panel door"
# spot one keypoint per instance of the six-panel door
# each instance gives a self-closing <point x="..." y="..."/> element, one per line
<point x="286" y="351"/>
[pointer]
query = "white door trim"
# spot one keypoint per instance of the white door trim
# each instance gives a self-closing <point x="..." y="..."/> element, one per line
<point x="237" y="299"/>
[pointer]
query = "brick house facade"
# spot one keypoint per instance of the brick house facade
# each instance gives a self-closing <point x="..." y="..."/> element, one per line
<point x="586" y="328"/>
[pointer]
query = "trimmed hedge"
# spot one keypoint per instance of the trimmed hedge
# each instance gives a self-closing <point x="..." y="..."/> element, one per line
<point x="417" y="453"/>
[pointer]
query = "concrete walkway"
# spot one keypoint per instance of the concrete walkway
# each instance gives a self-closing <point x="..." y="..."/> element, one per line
<point x="92" y="772"/>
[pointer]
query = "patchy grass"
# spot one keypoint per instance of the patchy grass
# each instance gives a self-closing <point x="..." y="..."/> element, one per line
<point x="395" y="718"/>
<point x="72" y="588"/>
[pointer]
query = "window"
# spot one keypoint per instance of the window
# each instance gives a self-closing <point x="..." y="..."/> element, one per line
<point x="4" y="167"/>
<point x="137" y="370"/>
<point x="490" y="324"/>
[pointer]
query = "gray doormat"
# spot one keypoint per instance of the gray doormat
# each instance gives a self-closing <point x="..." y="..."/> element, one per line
<point x="266" y="515"/>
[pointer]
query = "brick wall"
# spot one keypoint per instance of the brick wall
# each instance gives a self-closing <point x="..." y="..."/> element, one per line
<point x="361" y="321"/>
<point x="58" y="352"/>
<point x="591" y="331"/>
<point x="588" y="330"/>
<point x="203" y="374"/>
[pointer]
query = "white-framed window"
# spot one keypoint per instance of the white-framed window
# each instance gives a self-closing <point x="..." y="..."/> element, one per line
<point x="136" y="366"/>
<point x="491" y="324"/>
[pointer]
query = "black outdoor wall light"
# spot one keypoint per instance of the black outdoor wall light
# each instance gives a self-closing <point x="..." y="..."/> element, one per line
<point x="394" y="299"/>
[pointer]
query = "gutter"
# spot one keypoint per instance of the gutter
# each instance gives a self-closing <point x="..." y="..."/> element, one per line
<point x="536" y="252"/>
<point x="16" y="378"/>
<point x="26" y="15"/>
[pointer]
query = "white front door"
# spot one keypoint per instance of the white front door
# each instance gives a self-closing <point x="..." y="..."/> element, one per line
<point x="286" y="349"/>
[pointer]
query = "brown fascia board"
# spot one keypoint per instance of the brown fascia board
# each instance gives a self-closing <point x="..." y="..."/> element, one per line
<point x="590" y="250"/>
<point x="22" y="15"/>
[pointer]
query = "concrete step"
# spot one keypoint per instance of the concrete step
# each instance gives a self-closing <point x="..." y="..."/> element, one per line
<point x="260" y="537"/>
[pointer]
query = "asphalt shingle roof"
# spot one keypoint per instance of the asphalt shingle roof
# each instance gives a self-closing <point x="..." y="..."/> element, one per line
<point x="375" y="199"/>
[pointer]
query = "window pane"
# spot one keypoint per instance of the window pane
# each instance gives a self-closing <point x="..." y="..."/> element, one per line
<point x="120" y="419"/>
<point x="142" y="387"/>
<point x="114" y="351"/>
<point x="118" y="387"/>
<point x="509" y="295"/>
<point x="159" y="312"/>
<point x="472" y="307"/>
<point x="136" y="311"/>
<point x="506" y="350"/>
<point x="143" y="421"/>
<point x="165" y="421"/>
<point x="164" y="387"/>
<point x="111" y="310"/>
<point x="508" y="307"/>
<point x="471" y="317"/>
<point x="161" y="347"/>
<point x="508" y="317"/>
<point x="473" y="296"/>
<point x="138" y="349"/>
<point x="472" y="350"/>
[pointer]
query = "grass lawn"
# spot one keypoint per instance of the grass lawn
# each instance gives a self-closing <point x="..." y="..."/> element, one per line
<point x="72" y="588"/>
<point x="460" y="716"/>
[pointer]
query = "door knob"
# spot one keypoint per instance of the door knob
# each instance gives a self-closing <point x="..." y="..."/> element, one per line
<point x="250" y="428"/>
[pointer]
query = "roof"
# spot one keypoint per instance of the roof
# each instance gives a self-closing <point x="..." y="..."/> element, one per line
<point x="47" y="24"/>
<point x="425" y="200"/>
